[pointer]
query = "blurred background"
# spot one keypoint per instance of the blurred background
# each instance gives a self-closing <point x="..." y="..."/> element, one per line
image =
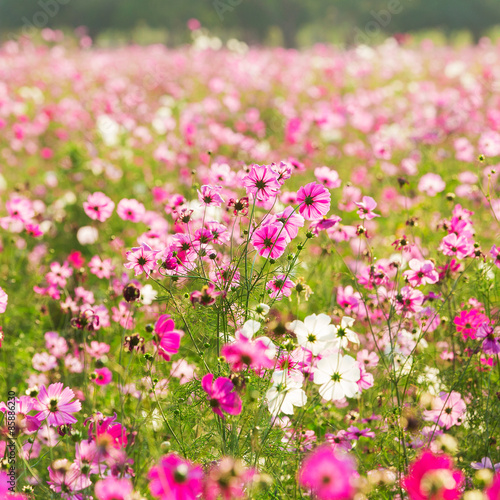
<point x="289" y="23"/>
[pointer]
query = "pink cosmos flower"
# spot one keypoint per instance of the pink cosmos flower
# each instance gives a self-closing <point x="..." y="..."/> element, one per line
<point x="491" y="343"/>
<point x="247" y="353"/>
<point x="101" y="268"/>
<point x="495" y="253"/>
<point x="56" y="345"/>
<point x="33" y="230"/>
<point x="56" y="406"/>
<point x="58" y="275"/>
<point x="329" y="178"/>
<point x="4" y="298"/>
<point x="408" y="301"/>
<point x="457" y="246"/>
<point x="131" y="210"/>
<point x="291" y="221"/>
<point x="468" y="322"/>
<point x="432" y="477"/>
<point x="220" y="395"/>
<point x="67" y="479"/>
<point x="270" y="240"/>
<point x="6" y="484"/>
<point x="98" y="206"/>
<point x="169" y="337"/>
<point x="329" y="474"/>
<point x="210" y="196"/>
<point x="280" y="286"/>
<point x="175" y="478"/>
<point x="103" y="376"/>
<point x="142" y="259"/>
<point x="26" y="423"/>
<point x="314" y="200"/>
<point x="106" y="432"/>
<point x="422" y="273"/>
<point x="113" y="488"/>
<point x="431" y="184"/>
<point x="261" y="182"/>
<point x="366" y="207"/>
<point x="447" y="410"/>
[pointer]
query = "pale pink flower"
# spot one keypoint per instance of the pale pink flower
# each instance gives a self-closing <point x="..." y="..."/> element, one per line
<point x="142" y="259"/>
<point x="457" y="246"/>
<point x="56" y="406"/>
<point x="4" y="298"/>
<point x="261" y="182"/>
<point x="131" y="210"/>
<point x="366" y="207"/>
<point x="98" y="206"/>
<point x="210" y="196"/>
<point x="422" y="273"/>
<point x="447" y="410"/>
<point x="101" y="268"/>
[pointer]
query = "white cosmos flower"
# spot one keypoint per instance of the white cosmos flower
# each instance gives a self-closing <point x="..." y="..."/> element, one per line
<point x="338" y="376"/>
<point x="148" y="294"/>
<point x="285" y="394"/>
<point x="344" y="333"/>
<point x="315" y="333"/>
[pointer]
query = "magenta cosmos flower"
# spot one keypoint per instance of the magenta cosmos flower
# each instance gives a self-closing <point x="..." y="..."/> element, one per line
<point x="366" y="207"/>
<point x="447" y="410"/>
<point x="468" y="322"/>
<point x="98" y="206"/>
<point x="262" y="182"/>
<point x="103" y="376"/>
<point x="270" y="240"/>
<point x="329" y="474"/>
<point x="247" y="353"/>
<point x="221" y="395"/>
<point x="175" y="478"/>
<point x="491" y="343"/>
<point x="142" y="259"/>
<point x="56" y="406"/>
<point x="314" y="200"/>
<point x="433" y="477"/>
<point x="493" y="492"/>
<point x="169" y="337"/>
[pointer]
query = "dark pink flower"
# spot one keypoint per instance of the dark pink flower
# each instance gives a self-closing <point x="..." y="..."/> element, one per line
<point x="468" y="322"/>
<point x="98" y="206"/>
<point x="247" y="353"/>
<point x="169" y="337"/>
<point x="221" y="395"/>
<point x="493" y="491"/>
<point x="314" y="200"/>
<point x="328" y="474"/>
<point x="56" y="406"/>
<point x="270" y="240"/>
<point x="432" y="477"/>
<point x="175" y="478"/>
<point x="103" y="376"/>
<point x="491" y="343"/>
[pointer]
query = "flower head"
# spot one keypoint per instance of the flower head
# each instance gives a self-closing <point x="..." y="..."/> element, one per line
<point x="314" y="200"/>
<point x="98" y="206"/>
<point x="56" y="406"/>
<point x="221" y="395"/>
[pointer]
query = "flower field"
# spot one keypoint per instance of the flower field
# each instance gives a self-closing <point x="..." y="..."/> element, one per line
<point x="233" y="272"/>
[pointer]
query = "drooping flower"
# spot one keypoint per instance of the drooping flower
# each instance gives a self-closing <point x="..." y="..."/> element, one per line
<point x="338" y="376"/>
<point x="175" y="478"/>
<point x="432" y="477"/>
<point x="56" y="406"/>
<point x="221" y="396"/>
<point x="142" y="259"/>
<point x="270" y="240"/>
<point x="98" y="206"/>
<point x="329" y="474"/>
<point x="169" y="337"/>
<point x="314" y="201"/>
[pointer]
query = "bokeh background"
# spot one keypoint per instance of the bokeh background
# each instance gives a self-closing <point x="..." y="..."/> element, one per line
<point x="289" y="23"/>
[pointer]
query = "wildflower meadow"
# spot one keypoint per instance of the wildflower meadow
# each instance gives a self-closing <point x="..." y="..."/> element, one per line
<point x="236" y="272"/>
